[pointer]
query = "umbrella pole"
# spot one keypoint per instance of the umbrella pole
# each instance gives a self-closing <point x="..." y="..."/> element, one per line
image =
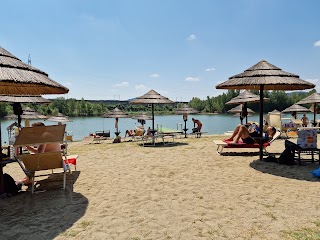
<point x="153" y="132"/>
<point x="19" y="121"/>
<point x="314" y="114"/>
<point x="261" y="122"/>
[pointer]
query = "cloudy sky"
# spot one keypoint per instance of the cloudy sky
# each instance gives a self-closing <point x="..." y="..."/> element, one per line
<point x="120" y="49"/>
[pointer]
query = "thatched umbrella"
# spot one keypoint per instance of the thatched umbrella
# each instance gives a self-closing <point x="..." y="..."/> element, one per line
<point x="244" y="98"/>
<point x="116" y="113"/>
<point x="185" y="110"/>
<point x="265" y="76"/>
<point x="142" y="118"/>
<point x="59" y="118"/>
<point x="238" y="109"/>
<point x="243" y="111"/>
<point x="16" y="103"/>
<point x="151" y="97"/>
<point x="294" y="109"/>
<point x="313" y="99"/>
<point x="18" y="78"/>
<point x="26" y="114"/>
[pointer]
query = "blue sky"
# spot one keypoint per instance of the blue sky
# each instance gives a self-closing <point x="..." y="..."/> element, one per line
<point x="120" y="49"/>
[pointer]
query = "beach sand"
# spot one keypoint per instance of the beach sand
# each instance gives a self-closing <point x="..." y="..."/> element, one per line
<point x="183" y="191"/>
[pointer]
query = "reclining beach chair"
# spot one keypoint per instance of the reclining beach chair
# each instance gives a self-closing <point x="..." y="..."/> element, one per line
<point x="32" y="163"/>
<point x="221" y="144"/>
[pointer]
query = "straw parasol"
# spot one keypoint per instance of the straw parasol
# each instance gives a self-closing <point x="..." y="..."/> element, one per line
<point x="59" y="118"/>
<point x="243" y="98"/>
<point x="18" y="78"/>
<point x="313" y="99"/>
<point x="185" y="110"/>
<point x="16" y="103"/>
<point x="238" y="109"/>
<point x="23" y="99"/>
<point x="295" y="108"/>
<point x="151" y="97"/>
<point x="142" y="117"/>
<point x="265" y="76"/>
<point x="116" y="113"/>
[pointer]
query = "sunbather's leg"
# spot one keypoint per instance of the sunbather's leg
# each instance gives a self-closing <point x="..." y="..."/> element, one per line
<point x="235" y="132"/>
<point x="242" y="133"/>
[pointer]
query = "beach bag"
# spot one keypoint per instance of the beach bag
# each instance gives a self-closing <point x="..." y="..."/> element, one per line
<point x="316" y="173"/>
<point x="10" y="186"/>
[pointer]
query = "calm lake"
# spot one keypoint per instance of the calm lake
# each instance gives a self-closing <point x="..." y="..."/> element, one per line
<point x="80" y="127"/>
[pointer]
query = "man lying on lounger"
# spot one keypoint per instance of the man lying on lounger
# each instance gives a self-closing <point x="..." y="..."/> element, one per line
<point x="247" y="134"/>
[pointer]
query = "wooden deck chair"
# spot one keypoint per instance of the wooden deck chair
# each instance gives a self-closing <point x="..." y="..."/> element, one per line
<point x="32" y="163"/>
<point x="221" y="144"/>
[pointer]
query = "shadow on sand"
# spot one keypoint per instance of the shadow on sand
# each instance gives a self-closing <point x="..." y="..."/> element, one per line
<point x="294" y="172"/>
<point x="160" y="144"/>
<point x="242" y="154"/>
<point x="44" y="215"/>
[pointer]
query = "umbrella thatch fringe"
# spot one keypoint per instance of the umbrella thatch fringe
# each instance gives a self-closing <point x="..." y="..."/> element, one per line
<point x="264" y="73"/>
<point x="15" y="75"/>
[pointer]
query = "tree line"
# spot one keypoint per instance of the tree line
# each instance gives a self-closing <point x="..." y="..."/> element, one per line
<point x="81" y="108"/>
<point x="279" y="100"/>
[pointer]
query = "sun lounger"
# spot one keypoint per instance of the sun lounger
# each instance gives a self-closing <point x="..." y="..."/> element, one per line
<point x="221" y="144"/>
<point x="32" y="163"/>
<point x="93" y="139"/>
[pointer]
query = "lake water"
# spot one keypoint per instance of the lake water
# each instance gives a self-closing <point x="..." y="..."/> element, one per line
<point x="80" y="127"/>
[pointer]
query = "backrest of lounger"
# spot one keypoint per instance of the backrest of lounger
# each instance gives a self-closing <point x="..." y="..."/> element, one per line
<point x="88" y="139"/>
<point x="275" y="120"/>
<point x="275" y="136"/>
<point x="139" y="131"/>
<point x="42" y="161"/>
<point x="40" y="135"/>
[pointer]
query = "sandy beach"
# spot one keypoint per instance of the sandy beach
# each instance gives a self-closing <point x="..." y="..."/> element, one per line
<point x="182" y="191"/>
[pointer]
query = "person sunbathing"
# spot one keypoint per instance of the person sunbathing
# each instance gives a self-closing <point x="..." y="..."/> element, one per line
<point x="247" y="133"/>
<point x="130" y="133"/>
<point x="48" y="147"/>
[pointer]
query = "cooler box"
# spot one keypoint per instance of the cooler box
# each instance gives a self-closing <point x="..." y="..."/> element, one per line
<point x="307" y="138"/>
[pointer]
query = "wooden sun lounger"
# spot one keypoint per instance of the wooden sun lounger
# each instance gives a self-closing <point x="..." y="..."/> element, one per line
<point x="222" y="144"/>
<point x="32" y="163"/>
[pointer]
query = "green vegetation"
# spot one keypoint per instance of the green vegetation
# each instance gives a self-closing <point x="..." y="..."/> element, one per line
<point x="304" y="233"/>
<point x="81" y="108"/>
<point x="279" y="100"/>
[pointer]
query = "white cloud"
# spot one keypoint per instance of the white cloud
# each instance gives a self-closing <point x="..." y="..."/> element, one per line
<point x="122" y="84"/>
<point x="191" y="37"/>
<point x="68" y="84"/>
<point x="317" y="44"/>
<point x="140" y="87"/>
<point x="154" y="75"/>
<point x="192" y="79"/>
<point x="210" y="69"/>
